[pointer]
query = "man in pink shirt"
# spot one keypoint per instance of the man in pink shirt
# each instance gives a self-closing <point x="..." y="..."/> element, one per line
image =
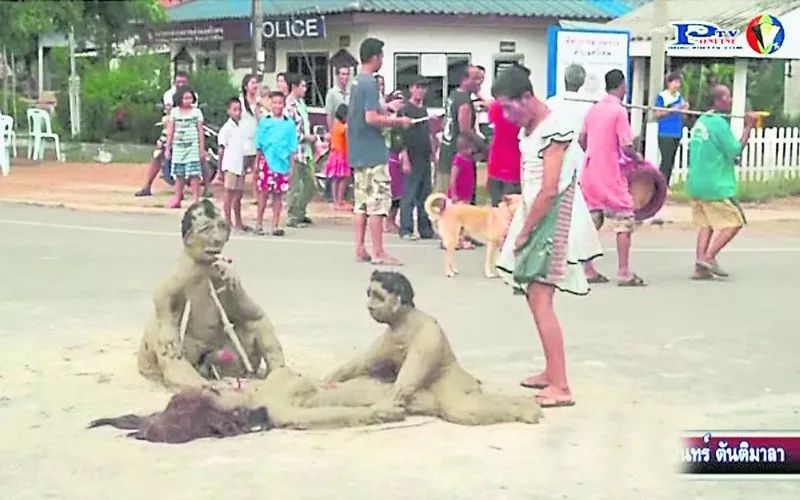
<point x="605" y="136"/>
<point x="504" y="156"/>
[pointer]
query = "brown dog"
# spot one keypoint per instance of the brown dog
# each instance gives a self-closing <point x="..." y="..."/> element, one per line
<point x="484" y="223"/>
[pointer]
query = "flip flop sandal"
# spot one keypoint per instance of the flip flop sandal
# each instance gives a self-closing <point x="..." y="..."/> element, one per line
<point x="702" y="274"/>
<point x="635" y="281"/>
<point x="532" y="386"/>
<point x="546" y="402"/>
<point x="366" y="258"/>
<point x="713" y="269"/>
<point x="596" y="279"/>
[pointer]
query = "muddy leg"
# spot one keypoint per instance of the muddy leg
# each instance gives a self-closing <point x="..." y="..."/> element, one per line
<point x="485" y="409"/>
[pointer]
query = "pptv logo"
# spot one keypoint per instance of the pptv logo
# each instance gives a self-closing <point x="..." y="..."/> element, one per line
<point x="693" y="36"/>
<point x="765" y="34"/>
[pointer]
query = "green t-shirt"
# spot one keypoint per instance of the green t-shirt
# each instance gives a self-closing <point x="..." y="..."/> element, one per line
<point x="712" y="152"/>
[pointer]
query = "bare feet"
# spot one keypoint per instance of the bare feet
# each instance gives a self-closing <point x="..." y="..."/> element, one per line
<point x="552" y="397"/>
<point x="174" y="203"/>
<point x="535" y="381"/>
<point x="385" y="260"/>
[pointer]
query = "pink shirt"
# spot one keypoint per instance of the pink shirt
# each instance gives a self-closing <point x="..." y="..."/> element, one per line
<point x="504" y="157"/>
<point x="604" y="184"/>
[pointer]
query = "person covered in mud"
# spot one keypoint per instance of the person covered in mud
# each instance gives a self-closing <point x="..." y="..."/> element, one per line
<point x="204" y="287"/>
<point x="416" y="363"/>
<point x="207" y="330"/>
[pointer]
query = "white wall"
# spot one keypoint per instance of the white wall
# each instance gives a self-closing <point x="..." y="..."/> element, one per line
<point x="478" y="36"/>
<point x="482" y="41"/>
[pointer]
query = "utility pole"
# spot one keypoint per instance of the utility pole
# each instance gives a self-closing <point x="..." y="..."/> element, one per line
<point x="657" y="49"/>
<point x="74" y="89"/>
<point x="256" y="30"/>
<point x="657" y="46"/>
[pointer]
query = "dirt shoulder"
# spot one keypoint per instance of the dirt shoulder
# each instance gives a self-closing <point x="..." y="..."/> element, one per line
<point x="110" y="188"/>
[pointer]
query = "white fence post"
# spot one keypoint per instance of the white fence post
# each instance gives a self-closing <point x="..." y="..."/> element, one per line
<point x="769" y="153"/>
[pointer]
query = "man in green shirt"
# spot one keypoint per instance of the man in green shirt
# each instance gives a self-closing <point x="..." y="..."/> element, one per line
<point x="302" y="186"/>
<point x="712" y="184"/>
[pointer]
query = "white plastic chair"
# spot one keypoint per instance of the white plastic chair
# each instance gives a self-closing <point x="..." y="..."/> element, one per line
<point x="40" y="128"/>
<point x="7" y="130"/>
<point x="5" y="162"/>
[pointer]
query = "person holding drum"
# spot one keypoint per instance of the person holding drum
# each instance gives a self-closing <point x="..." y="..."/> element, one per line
<point x="606" y="135"/>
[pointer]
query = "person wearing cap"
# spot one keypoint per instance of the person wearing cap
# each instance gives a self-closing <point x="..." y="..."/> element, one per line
<point x="416" y="158"/>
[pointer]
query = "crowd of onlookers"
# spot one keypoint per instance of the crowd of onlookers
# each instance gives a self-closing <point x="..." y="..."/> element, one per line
<point x="416" y="150"/>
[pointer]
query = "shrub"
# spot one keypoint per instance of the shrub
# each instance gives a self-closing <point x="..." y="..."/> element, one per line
<point x="120" y="103"/>
<point x="214" y="88"/>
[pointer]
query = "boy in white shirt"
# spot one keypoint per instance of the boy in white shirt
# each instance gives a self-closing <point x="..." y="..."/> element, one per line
<point x="231" y="159"/>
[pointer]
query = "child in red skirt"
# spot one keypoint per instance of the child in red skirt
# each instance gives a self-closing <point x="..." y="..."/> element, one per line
<point x="462" y="176"/>
<point x="337" y="169"/>
<point x="462" y="179"/>
<point x="276" y="141"/>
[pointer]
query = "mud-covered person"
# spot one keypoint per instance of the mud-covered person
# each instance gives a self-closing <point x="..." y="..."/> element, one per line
<point x="162" y="355"/>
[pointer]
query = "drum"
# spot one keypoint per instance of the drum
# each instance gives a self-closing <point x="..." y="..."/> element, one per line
<point x="648" y="188"/>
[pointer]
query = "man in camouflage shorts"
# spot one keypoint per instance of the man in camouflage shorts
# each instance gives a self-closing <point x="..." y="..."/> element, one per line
<point x="368" y="155"/>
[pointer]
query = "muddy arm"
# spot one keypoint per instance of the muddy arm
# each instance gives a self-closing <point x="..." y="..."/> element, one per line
<point x="423" y="359"/>
<point x="168" y="317"/>
<point x="331" y="416"/>
<point x="361" y="364"/>
<point x="268" y="345"/>
<point x="235" y="299"/>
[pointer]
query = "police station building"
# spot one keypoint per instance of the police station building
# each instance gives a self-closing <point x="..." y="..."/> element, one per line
<point x="312" y="37"/>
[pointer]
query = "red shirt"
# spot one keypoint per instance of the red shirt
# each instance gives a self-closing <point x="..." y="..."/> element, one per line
<point x="505" y="160"/>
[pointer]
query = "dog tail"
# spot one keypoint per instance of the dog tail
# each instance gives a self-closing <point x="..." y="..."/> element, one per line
<point x="435" y="205"/>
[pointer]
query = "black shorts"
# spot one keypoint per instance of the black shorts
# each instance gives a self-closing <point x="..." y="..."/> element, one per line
<point x="497" y="189"/>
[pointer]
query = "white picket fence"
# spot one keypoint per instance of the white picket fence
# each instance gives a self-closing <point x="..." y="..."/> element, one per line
<point x="770" y="153"/>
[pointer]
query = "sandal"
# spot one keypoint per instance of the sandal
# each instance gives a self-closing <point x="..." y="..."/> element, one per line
<point x="597" y="279"/>
<point x="259" y="231"/>
<point x="278" y="232"/>
<point x="527" y="385"/>
<point x="634" y="281"/>
<point x="713" y="268"/>
<point x="548" y="402"/>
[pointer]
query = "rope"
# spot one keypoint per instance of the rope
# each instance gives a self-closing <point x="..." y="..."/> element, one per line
<point x="230" y="330"/>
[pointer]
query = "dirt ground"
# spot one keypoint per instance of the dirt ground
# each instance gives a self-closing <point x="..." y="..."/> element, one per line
<point x="110" y="188"/>
<point x="644" y="365"/>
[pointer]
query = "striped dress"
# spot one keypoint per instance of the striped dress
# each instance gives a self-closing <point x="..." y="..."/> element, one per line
<point x="564" y="238"/>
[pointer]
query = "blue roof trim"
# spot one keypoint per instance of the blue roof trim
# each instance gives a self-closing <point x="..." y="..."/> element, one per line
<point x="236" y="9"/>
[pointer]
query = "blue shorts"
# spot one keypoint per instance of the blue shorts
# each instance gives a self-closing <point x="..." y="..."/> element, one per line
<point x="186" y="170"/>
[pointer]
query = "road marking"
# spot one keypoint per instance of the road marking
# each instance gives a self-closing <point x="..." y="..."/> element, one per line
<point x="301" y="241"/>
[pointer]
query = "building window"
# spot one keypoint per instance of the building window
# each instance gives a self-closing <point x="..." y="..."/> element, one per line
<point x="442" y="79"/>
<point x="314" y="68"/>
<point x="218" y="61"/>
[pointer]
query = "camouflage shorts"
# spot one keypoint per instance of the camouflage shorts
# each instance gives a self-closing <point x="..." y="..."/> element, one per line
<point x="372" y="190"/>
<point x="619" y="223"/>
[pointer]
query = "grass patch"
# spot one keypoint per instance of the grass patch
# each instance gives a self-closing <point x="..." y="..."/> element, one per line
<point x="753" y="191"/>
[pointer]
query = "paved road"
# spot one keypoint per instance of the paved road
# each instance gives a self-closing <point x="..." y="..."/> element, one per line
<point x="75" y="292"/>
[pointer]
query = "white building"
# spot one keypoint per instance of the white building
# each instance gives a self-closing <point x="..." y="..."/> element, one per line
<point x="309" y="36"/>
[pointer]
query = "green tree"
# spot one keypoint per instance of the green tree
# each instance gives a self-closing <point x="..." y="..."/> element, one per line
<point x="103" y="22"/>
<point x="110" y="22"/>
